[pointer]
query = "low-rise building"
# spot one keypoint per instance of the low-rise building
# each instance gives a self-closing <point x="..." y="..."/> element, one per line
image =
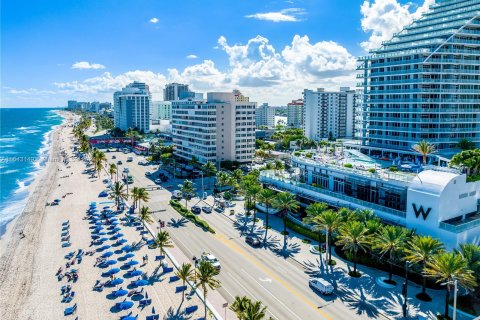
<point x="437" y="201"/>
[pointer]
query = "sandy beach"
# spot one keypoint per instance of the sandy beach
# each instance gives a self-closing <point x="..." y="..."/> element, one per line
<point x="29" y="288"/>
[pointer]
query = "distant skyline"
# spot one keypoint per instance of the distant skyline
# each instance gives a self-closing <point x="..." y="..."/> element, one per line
<point x="56" y="50"/>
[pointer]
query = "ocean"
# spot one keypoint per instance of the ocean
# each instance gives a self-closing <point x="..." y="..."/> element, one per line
<point x="25" y="140"/>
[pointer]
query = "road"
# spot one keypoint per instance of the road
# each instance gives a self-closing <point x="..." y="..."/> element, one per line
<point x="281" y="284"/>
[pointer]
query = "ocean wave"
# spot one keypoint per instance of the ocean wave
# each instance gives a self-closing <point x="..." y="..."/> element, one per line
<point x="9" y="139"/>
<point x="27" y="128"/>
<point x="10" y="171"/>
<point x="7" y="146"/>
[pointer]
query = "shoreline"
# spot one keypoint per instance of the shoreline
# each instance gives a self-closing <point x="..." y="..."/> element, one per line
<point x="44" y="154"/>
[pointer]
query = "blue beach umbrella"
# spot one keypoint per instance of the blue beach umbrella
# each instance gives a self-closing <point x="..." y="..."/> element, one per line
<point x="127" y="248"/>
<point x="136" y="273"/>
<point x="153" y="310"/>
<point x="103" y="239"/>
<point x="99" y="224"/>
<point x="116" y="282"/>
<point x="107" y="254"/>
<point x="129" y="255"/>
<point x="111" y="262"/>
<point x="102" y="233"/>
<point x="114" y="219"/>
<point x="113" y="271"/>
<point x="106" y="207"/>
<point x="132" y="263"/>
<point x="114" y="223"/>
<point x="125" y="305"/>
<point x="95" y="236"/>
<point x="117" y="229"/>
<point x="105" y="247"/>
<point x="120" y="292"/>
<point x="99" y="228"/>
<point x="141" y="283"/>
<point x="122" y="241"/>
<point x="119" y="235"/>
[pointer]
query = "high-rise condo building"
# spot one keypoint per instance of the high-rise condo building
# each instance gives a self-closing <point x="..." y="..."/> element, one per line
<point x="424" y="83"/>
<point x="265" y="116"/>
<point x="161" y="110"/>
<point x="295" y="114"/>
<point x="329" y="115"/>
<point x="132" y="107"/>
<point x="217" y="129"/>
<point x="175" y="91"/>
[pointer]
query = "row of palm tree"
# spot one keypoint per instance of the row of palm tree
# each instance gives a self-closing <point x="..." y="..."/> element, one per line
<point x="138" y="195"/>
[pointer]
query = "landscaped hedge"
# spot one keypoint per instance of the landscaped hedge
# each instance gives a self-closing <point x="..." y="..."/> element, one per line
<point x="190" y="216"/>
<point x="304" y="231"/>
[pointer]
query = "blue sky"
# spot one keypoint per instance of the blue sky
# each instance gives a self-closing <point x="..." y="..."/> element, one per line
<point x="52" y="51"/>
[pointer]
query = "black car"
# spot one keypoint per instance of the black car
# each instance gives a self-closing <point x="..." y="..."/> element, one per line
<point x="253" y="241"/>
<point x="196" y="209"/>
<point x="119" y="162"/>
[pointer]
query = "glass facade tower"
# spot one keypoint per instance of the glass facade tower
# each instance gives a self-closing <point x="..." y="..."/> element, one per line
<point x="424" y="83"/>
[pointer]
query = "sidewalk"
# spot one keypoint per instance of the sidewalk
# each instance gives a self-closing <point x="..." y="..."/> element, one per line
<point x="363" y="294"/>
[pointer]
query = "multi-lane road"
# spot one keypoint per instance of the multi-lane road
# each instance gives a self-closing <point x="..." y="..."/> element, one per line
<point x="259" y="273"/>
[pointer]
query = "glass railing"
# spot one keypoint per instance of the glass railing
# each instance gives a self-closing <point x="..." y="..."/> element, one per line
<point x="458" y="228"/>
<point x="303" y="189"/>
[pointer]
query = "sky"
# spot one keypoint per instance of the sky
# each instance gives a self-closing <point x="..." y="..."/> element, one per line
<point x="56" y="50"/>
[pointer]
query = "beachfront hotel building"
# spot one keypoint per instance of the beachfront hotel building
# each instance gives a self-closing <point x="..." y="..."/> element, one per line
<point x="265" y="116"/>
<point x="217" y="129"/>
<point x="161" y="110"/>
<point x="132" y="107"/>
<point x="424" y="83"/>
<point x="328" y="115"/>
<point x="437" y="201"/>
<point x="295" y="114"/>
<point x="174" y="91"/>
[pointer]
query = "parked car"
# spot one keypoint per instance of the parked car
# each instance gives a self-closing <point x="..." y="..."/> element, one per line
<point x="321" y="285"/>
<point x="126" y="170"/>
<point x="196" y="209"/>
<point x="119" y="162"/>
<point x="114" y="157"/>
<point x="207" y="209"/>
<point x="253" y="241"/>
<point x="212" y="259"/>
<point x="158" y="181"/>
<point x="148" y="173"/>
<point x="177" y="194"/>
<point x="219" y="209"/>
<point x="103" y="194"/>
<point x="129" y="159"/>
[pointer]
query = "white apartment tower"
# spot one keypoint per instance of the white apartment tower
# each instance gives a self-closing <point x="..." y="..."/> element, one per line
<point x="161" y="110"/>
<point x="265" y="116"/>
<point x="329" y="115"/>
<point x="295" y="114"/>
<point x="132" y="107"/>
<point x="218" y="129"/>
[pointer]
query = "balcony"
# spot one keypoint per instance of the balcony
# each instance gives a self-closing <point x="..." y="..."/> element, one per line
<point x="471" y="221"/>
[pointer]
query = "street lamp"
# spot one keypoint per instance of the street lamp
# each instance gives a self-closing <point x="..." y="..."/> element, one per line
<point x="203" y="192"/>
<point x="455" y="286"/>
<point x="195" y="261"/>
<point x="405" y="289"/>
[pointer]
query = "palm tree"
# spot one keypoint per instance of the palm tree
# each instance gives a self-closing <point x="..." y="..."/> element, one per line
<point x="253" y="190"/>
<point x="187" y="189"/>
<point x="255" y="311"/>
<point x="184" y="272"/>
<point x="328" y="220"/>
<point x="161" y="241"/>
<point x="390" y="240"/>
<point x="420" y="250"/>
<point x="286" y="203"/>
<point x="237" y="175"/>
<point x="134" y="196"/>
<point x="194" y="162"/>
<point x="142" y="196"/>
<point x="112" y="169"/>
<point x="353" y="237"/>
<point x="465" y="144"/>
<point x="118" y="192"/>
<point x="278" y="165"/>
<point x="145" y="216"/>
<point x="471" y="253"/>
<point x="239" y="306"/>
<point x="206" y="274"/>
<point x="209" y="169"/>
<point x="424" y="148"/>
<point x="313" y="211"/>
<point x="266" y="197"/>
<point x="448" y="267"/>
<point x="222" y="179"/>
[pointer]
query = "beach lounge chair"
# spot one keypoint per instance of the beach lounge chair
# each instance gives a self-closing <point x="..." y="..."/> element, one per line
<point x="66" y="244"/>
<point x="153" y="317"/>
<point x="191" y="309"/>
<point x="158" y="258"/>
<point x="145" y="302"/>
<point x="70" y="310"/>
<point x="68" y="298"/>
<point x="64" y="223"/>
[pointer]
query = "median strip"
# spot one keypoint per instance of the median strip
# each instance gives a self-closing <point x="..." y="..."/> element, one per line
<point x="190" y="216"/>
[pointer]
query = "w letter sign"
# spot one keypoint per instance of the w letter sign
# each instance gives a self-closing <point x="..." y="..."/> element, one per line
<point x="421" y="211"/>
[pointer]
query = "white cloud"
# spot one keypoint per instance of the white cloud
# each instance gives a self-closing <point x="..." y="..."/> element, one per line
<point x="383" y="18"/>
<point x="192" y="56"/>
<point x="285" y="15"/>
<point x="153" y="20"/>
<point x="87" y="65"/>
<point x="260" y="70"/>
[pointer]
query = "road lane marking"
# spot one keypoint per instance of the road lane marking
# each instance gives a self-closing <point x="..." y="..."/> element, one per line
<point x="265" y="280"/>
<point x="224" y="239"/>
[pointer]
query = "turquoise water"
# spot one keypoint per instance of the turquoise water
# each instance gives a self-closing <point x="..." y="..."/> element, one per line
<point x="24" y="145"/>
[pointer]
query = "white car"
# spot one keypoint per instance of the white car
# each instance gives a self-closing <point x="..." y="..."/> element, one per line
<point x="211" y="259"/>
<point x="321" y="285"/>
<point x="177" y="194"/>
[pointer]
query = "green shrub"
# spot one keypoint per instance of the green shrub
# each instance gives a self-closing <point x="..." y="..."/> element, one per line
<point x="393" y="169"/>
<point x="308" y="155"/>
<point x="296" y="153"/>
<point x="371" y="170"/>
<point x="190" y="216"/>
<point x="304" y="231"/>
<point x="348" y="165"/>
